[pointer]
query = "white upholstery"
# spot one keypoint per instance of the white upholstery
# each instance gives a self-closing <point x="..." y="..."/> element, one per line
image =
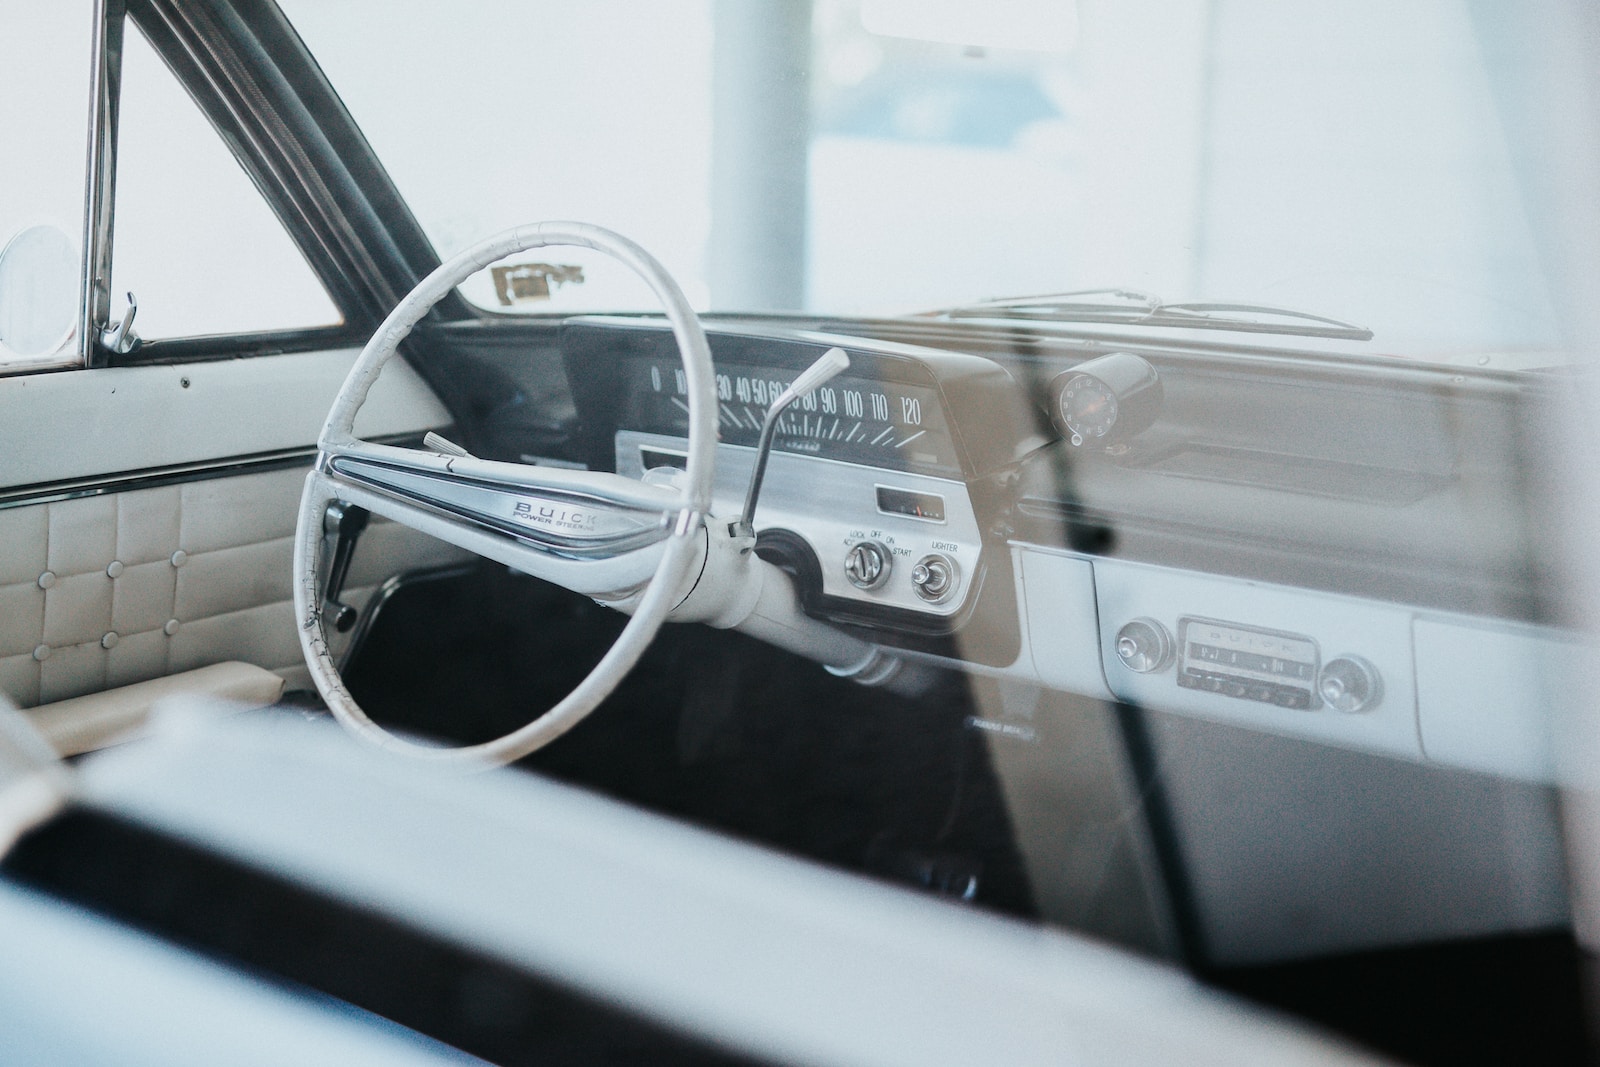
<point x="84" y="425"/>
<point x="111" y="716"/>
<point x="33" y="784"/>
<point x="204" y="577"/>
<point x="761" y="954"/>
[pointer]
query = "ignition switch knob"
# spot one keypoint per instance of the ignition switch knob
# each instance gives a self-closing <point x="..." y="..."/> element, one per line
<point x="934" y="578"/>
<point x="1144" y="645"/>
<point x="867" y="565"/>
<point x="1350" y="683"/>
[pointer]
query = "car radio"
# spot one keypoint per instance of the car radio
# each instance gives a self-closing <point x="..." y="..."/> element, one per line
<point x="1248" y="663"/>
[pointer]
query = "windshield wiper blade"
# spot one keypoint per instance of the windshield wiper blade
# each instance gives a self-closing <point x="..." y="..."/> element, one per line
<point x="1145" y="309"/>
<point x="1327" y="327"/>
<point x="1074" y="299"/>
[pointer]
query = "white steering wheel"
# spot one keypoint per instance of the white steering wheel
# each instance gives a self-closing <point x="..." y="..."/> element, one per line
<point x="596" y="533"/>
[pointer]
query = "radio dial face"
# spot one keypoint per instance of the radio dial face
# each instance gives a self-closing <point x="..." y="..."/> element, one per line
<point x="1247" y="663"/>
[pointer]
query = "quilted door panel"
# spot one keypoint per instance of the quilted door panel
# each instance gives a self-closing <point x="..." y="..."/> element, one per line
<point x="106" y="590"/>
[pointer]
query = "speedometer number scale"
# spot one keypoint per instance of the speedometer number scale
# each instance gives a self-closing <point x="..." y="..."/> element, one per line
<point x="856" y="419"/>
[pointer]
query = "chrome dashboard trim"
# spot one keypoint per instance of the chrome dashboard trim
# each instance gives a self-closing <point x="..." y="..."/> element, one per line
<point x="832" y="505"/>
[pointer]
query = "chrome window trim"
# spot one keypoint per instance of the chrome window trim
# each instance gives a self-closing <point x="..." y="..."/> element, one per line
<point x="176" y="474"/>
<point x="156" y="477"/>
<point x="105" y="91"/>
<point x="94" y="255"/>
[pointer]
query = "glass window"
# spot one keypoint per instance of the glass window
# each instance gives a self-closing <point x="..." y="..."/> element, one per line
<point x="512" y="113"/>
<point x="1348" y="161"/>
<point x="194" y="240"/>
<point x="45" y="69"/>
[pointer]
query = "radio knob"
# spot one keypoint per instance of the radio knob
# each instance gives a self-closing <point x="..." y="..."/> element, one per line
<point x="1350" y="684"/>
<point x="1144" y="645"/>
<point x="867" y="565"/>
<point x="934" y="578"/>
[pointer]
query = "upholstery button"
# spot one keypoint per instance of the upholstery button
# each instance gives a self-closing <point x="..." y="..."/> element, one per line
<point x="170" y="628"/>
<point x="41" y="653"/>
<point x="179" y="558"/>
<point x="109" y="640"/>
<point x="114" y="569"/>
<point x="47" y="579"/>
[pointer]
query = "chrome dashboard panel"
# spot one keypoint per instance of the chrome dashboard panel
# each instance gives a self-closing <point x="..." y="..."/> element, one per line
<point x="794" y="486"/>
<point x="931" y="411"/>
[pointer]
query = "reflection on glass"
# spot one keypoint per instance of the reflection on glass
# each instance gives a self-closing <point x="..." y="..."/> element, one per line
<point x="38" y="291"/>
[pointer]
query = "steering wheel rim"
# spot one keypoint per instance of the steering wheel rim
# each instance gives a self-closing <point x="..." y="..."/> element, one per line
<point x="684" y="507"/>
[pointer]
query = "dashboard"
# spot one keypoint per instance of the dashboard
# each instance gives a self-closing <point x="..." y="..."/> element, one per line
<point x="875" y="489"/>
<point x="1324" y="548"/>
<point x="1299" y="590"/>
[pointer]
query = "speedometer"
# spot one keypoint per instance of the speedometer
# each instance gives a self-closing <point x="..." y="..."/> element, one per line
<point x="852" y="418"/>
<point x="897" y="407"/>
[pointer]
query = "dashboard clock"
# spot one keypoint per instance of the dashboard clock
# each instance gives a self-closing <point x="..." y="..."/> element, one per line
<point x="1105" y="401"/>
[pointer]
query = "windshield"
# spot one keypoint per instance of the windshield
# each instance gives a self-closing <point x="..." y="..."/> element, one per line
<point x="879" y="157"/>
